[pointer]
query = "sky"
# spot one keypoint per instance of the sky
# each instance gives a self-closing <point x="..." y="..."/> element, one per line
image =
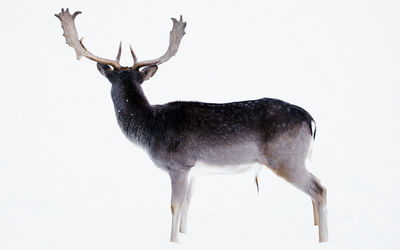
<point x="69" y="179"/>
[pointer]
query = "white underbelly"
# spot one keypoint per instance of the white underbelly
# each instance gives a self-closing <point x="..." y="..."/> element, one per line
<point x="202" y="168"/>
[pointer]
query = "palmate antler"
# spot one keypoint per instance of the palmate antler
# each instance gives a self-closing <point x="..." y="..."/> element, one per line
<point x="71" y="36"/>
<point x="175" y="36"/>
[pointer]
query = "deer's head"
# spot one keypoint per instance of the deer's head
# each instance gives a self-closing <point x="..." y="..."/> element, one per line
<point x="126" y="74"/>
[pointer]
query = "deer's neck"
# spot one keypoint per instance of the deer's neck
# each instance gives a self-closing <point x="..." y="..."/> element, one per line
<point x="133" y="111"/>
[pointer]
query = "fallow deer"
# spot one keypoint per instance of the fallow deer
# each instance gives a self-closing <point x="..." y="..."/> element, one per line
<point x="178" y="135"/>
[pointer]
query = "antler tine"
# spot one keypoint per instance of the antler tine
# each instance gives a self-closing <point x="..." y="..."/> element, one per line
<point x="119" y="52"/>
<point x="175" y="37"/>
<point x="71" y="37"/>
<point x="133" y="55"/>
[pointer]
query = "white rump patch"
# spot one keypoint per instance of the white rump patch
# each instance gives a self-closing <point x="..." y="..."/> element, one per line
<point x="310" y="148"/>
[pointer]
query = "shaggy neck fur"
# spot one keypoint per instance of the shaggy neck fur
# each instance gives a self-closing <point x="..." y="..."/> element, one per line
<point x="133" y="111"/>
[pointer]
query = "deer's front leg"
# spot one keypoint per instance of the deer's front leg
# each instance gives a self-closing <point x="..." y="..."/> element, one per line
<point x="185" y="208"/>
<point x="179" y="183"/>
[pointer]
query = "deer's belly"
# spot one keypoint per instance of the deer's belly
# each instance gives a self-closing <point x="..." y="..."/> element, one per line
<point x="230" y="159"/>
<point x="202" y="168"/>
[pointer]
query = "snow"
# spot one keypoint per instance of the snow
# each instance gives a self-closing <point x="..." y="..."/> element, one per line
<point x="69" y="179"/>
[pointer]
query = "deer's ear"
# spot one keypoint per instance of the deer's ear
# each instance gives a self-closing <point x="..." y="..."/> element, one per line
<point x="104" y="69"/>
<point x="149" y="71"/>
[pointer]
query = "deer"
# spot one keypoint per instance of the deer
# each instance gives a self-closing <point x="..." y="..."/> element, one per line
<point x="228" y="137"/>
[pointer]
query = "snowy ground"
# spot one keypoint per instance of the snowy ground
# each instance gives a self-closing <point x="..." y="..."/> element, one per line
<point x="70" y="180"/>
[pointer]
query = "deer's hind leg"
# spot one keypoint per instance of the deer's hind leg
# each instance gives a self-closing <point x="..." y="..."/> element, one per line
<point x="318" y="195"/>
<point x="315" y="213"/>
<point x="299" y="177"/>
<point x="314" y="204"/>
<point x="286" y="157"/>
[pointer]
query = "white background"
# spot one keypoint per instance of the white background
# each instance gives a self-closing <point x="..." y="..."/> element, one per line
<point x="70" y="180"/>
